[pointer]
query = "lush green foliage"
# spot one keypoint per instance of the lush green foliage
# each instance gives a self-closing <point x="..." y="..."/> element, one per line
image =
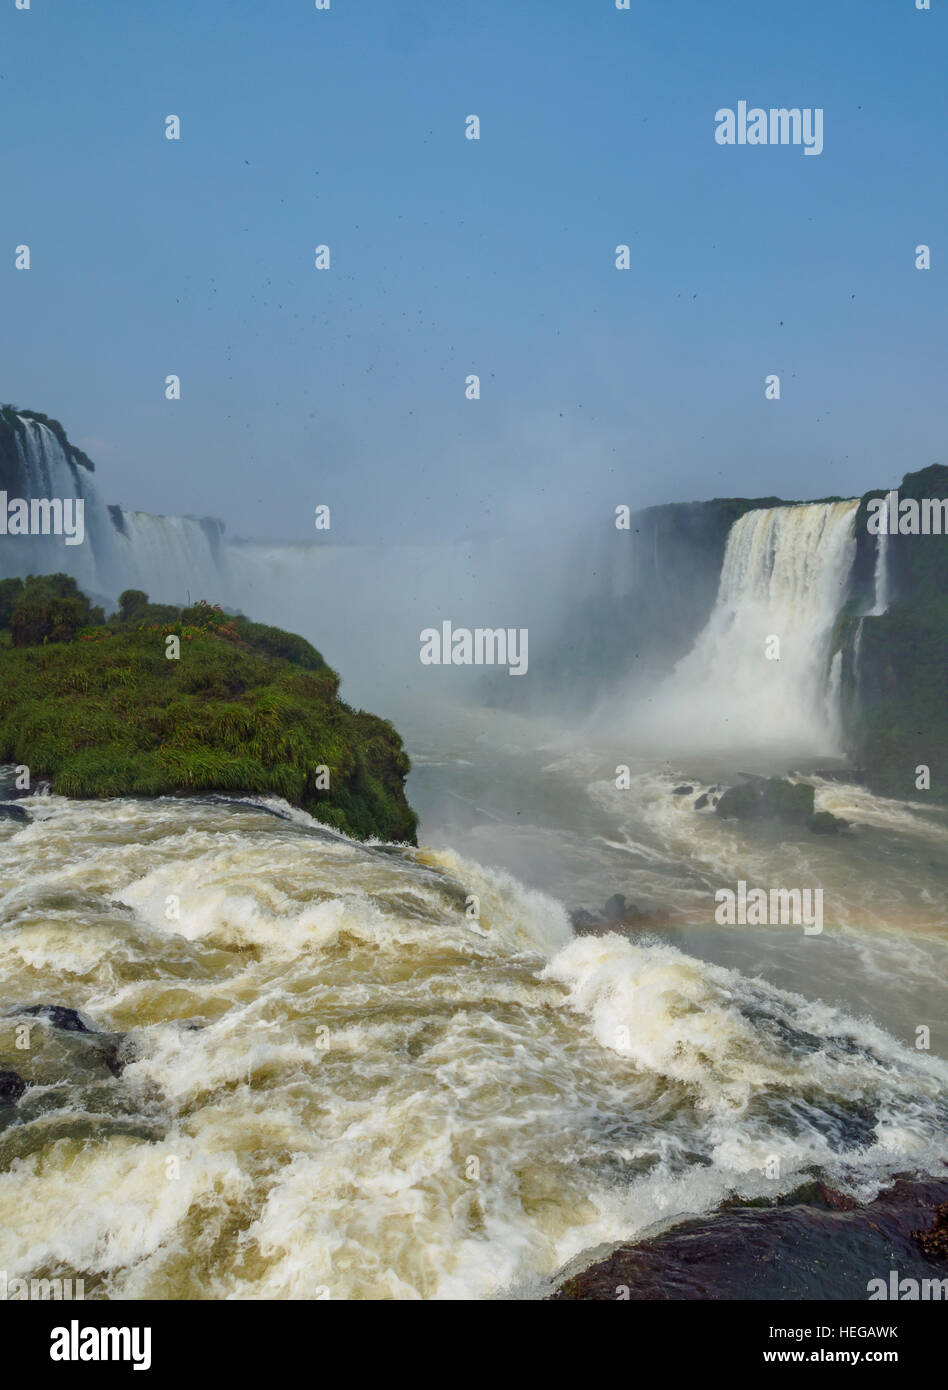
<point x="11" y="591"/>
<point x="49" y="608"/>
<point x="106" y="713"/>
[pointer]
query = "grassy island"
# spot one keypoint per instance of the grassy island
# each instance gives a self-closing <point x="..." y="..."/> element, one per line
<point x="156" y="700"/>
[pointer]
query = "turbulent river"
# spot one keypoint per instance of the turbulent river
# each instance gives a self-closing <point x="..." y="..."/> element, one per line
<point x="319" y="1069"/>
<point x="335" y="1082"/>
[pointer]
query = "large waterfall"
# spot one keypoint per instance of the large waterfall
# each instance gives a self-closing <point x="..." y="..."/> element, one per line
<point x="759" y="675"/>
<point x="363" y="606"/>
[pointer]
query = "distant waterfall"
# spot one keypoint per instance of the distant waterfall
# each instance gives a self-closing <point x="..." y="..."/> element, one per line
<point x="42" y="469"/>
<point x="881" y="576"/>
<point x="784" y="580"/>
<point x="784" y="575"/>
<point x="168" y="557"/>
<point x="856" y="666"/>
<point x="171" y="557"/>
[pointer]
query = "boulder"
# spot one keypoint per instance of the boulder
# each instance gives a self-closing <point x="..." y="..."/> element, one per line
<point x="764" y="798"/>
<point x="12" y="1087"/>
<point x="115" y="1049"/>
<point x="69" y="1020"/>
<point x="825" y="823"/>
<point x="825" y="1246"/>
<point x="614" y="915"/>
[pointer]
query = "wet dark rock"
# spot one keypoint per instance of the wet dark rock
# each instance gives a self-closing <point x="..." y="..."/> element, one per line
<point x="825" y="823"/>
<point x="811" y="1194"/>
<point x="115" y="1049"/>
<point x="12" y="1087"/>
<point x="69" y="1020"/>
<point x="9" y="791"/>
<point x="827" y="1247"/>
<point x="816" y="1194"/>
<point x="615" y="914"/>
<point x="117" y="1052"/>
<point x="9" y="811"/>
<point x="702" y="801"/>
<point x="683" y="790"/>
<point x="934" y="1241"/>
<point x="763" y="798"/>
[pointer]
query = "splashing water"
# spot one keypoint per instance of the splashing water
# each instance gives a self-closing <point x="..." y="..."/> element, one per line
<point x="339" y="1082"/>
<point x="758" y="674"/>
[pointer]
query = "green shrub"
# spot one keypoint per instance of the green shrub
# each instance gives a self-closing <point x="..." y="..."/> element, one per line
<point x="50" y="608"/>
<point x="11" y="591"/>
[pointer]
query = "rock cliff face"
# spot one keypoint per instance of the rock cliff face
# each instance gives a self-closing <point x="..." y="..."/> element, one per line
<point x="895" y="662"/>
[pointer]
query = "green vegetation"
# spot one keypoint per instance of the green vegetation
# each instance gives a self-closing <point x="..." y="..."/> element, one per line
<point x="100" y="709"/>
<point x="47" y="608"/>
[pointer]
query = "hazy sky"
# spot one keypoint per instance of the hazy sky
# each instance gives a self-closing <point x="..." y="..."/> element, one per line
<point x="452" y="256"/>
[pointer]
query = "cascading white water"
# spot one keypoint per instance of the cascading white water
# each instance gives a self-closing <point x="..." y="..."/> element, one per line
<point x="171" y="557"/>
<point x="363" y="606"/>
<point x="881" y="576"/>
<point x="784" y="575"/>
<point x="168" y="557"/>
<point x="322" y="1041"/>
<point x="44" y="471"/>
<point x="758" y="675"/>
<point x="856" y="667"/>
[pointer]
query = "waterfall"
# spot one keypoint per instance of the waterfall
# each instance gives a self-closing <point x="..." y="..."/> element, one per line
<point x="41" y="468"/>
<point x="363" y="606"/>
<point x="857" y="669"/>
<point x="759" y="675"/>
<point x="881" y="576"/>
<point x="168" y="557"/>
<point x="171" y="557"/>
<point x="784" y="576"/>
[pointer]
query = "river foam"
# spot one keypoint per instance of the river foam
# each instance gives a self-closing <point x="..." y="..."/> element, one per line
<point x="339" y="1083"/>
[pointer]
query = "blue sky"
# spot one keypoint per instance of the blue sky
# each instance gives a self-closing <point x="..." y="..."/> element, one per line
<point x="451" y="256"/>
